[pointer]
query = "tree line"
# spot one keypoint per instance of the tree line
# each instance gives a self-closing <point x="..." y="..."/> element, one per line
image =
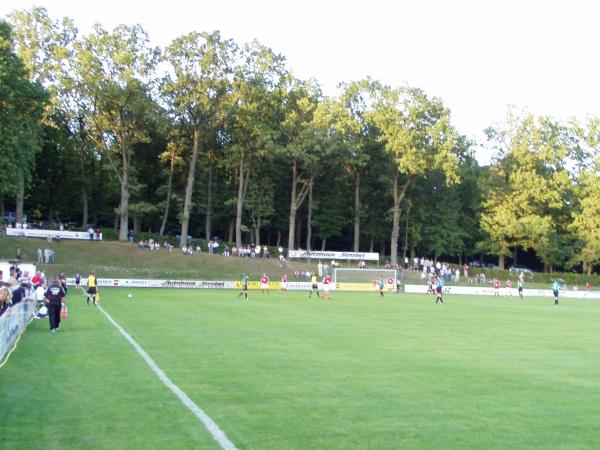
<point x="212" y="137"/>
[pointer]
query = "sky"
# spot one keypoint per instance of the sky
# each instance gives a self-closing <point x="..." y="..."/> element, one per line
<point x="479" y="57"/>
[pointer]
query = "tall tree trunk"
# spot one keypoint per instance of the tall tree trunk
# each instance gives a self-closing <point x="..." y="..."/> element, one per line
<point x="292" y="226"/>
<point x="501" y="262"/>
<point x="298" y="233"/>
<point x="82" y="179"/>
<point x="244" y="175"/>
<point x="371" y="245"/>
<point x="309" y="216"/>
<point x="398" y="197"/>
<point x="257" y="231"/>
<point x="20" y="197"/>
<point x="278" y="238"/>
<point x="163" y="224"/>
<point x="406" y="232"/>
<point x="2" y="211"/>
<point x="356" y="211"/>
<point x="231" y="228"/>
<point x="323" y="243"/>
<point x="124" y="206"/>
<point x="187" y="203"/>
<point x="295" y="203"/>
<point x="208" y="225"/>
<point x="516" y="257"/>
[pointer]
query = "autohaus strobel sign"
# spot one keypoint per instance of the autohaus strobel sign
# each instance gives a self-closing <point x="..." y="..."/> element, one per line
<point x="333" y="255"/>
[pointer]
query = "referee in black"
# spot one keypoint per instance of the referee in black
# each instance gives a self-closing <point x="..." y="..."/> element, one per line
<point x="55" y="295"/>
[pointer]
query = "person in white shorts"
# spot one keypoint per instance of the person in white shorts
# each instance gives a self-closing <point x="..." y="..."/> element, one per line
<point x="264" y="283"/>
<point x="284" y="282"/>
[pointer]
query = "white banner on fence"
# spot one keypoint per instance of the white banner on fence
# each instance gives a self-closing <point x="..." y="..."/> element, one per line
<point x="475" y="290"/>
<point x="12" y="325"/>
<point x="81" y="235"/>
<point x="311" y="254"/>
<point x="183" y="284"/>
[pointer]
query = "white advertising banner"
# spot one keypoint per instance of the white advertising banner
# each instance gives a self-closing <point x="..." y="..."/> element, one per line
<point x="313" y="254"/>
<point x="475" y="290"/>
<point x="183" y="284"/>
<point x="81" y="235"/>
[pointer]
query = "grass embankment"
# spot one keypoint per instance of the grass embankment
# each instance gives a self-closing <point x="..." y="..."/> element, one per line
<point x="125" y="260"/>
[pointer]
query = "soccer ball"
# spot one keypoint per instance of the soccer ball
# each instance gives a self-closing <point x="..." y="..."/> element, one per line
<point x="129" y="295"/>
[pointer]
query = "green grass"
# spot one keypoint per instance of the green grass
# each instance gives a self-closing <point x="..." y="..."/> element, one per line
<point x="282" y="372"/>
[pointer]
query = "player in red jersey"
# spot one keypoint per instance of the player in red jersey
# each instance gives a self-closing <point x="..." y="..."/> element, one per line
<point x="284" y="282"/>
<point x="496" y="287"/>
<point x="264" y="283"/>
<point x="508" y="286"/>
<point x="327" y="287"/>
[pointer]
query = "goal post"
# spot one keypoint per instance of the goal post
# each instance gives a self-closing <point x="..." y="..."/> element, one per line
<point x="364" y="279"/>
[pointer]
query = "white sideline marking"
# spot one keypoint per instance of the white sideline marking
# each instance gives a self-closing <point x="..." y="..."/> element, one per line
<point x="210" y="424"/>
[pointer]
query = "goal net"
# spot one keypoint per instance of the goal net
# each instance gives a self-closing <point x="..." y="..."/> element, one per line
<point x="364" y="279"/>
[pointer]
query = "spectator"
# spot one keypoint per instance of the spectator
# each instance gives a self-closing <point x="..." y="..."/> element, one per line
<point x="130" y="235"/>
<point x="40" y="256"/>
<point x="4" y="299"/>
<point x="12" y="280"/>
<point x="20" y="294"/>
<point x="97" y="233"/>
<point x="91" y="233"/>
<point x="210" y="247"/>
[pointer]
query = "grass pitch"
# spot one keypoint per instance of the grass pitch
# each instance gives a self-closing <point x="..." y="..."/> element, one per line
<point x="285" y="372"/>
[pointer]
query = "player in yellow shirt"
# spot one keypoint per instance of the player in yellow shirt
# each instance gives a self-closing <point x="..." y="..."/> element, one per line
<point x="92" y="292"/>
<point x="314" y="286"/>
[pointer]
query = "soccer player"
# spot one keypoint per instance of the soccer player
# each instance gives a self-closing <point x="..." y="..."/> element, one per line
<point x="520" y="285"/>
<point x="264" y="283"/>
<point x="314" y="286"/>
<point x="431" y="286"/>
<point x="244" y="286"/>
<point x="77" y="280"/>
<point x="508" y="287"/>
<point x="439" y="289"/>
<point x="555" y="289"/>
<point x="327" y="287"/>
<point x="381" y="284"/>
<point x="284" y="282"/>
<point x="496" y="287"/>
<point x="92" y="291"/>
<point x="390" y="284"/>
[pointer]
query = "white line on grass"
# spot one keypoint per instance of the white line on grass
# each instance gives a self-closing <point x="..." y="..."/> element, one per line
<point x="210" y="424"/>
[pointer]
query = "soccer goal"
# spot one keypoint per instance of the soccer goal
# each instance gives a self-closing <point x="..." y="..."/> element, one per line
<point x="358" y="277"/>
